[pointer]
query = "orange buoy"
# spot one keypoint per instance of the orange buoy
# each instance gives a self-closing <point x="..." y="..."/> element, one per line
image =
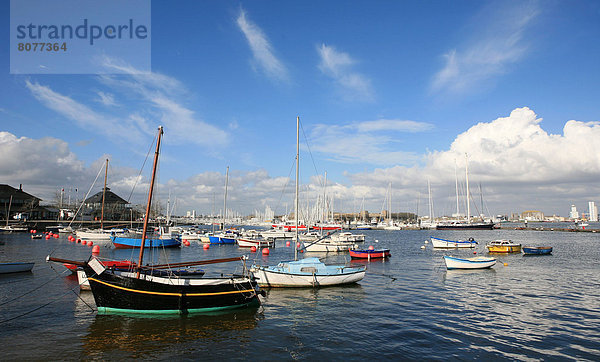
<point x="371" y="247"/>
<point x="253" y="249"/>
<point x="265" y="251"/>
<point x="96" y="249"/>
<point x="206" y="246"/>
<point x="83" y="242"/>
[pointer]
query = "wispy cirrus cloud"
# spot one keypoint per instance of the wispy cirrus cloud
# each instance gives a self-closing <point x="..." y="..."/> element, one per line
<point x="261" y="49"/>
<point x="107" y="99"/>
<point x="158" y="97"/>
<point x="338" y="66"/>
<point x="499" y="42"/>
<point x="83" y="115"/>
<point x="372" y="142"/>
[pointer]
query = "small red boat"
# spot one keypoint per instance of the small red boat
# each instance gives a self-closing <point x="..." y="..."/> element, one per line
<point x="116" y="264"/>
<point x="370" y="253"/>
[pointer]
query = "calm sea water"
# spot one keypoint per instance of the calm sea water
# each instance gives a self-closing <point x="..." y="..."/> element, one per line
<point x="408" y="307"/>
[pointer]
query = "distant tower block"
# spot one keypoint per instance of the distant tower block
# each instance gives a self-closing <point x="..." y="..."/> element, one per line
<point x="593" y="211"/>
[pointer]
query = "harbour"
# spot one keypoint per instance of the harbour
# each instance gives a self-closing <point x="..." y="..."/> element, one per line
<point x="407" y="306"/>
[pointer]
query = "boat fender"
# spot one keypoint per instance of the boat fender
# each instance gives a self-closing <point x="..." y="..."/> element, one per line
<point x="471" y="239"/>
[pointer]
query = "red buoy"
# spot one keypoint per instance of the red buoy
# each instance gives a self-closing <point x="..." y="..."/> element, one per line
<point x="186" y="243"/>
<point x="48" y="237"/>
<point x="96" y="249"/>
<point x="265" y="251"/>
<point x="78" y="241"/>
<point x="90" y="243"/>
<point x="371" y="247"/>
<point x="83" y="242"/>
<point x="298" y="245"/>
<point x="287" y="243"/>
<point x="206" y="246"/>
<point x="56" y="236"/>
<point x="253" y="249"/>
<point x="34" y="231"/>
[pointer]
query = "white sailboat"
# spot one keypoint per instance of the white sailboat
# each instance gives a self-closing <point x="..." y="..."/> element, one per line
<point x="308" y="272"/>
<point x="11" y="228"/>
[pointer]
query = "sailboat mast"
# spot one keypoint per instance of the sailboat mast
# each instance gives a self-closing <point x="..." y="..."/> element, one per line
<point x="104" y="195"/>
<point x="456" y="182"/>
<point x="225" y="198"/>
<point x="8" y="212"/>
<point x="297" y="183"/>
<point x="148" y="205"/>
<point x="467" y="182"/>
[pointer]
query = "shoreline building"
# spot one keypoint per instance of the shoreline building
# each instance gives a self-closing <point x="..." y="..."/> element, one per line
<point x="593" y="210"/>
<point x="573" y="214"/>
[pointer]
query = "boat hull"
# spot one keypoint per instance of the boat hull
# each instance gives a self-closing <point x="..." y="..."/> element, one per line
<point x="328" y="247"/>
<point x="452" y="244"/>
<point x="504" y="249"/>
<point x="470" y="263"/>
<point x="369" y="254"/>
<point x="306" y="273"/>
<point x="8" y="268"/>
<point x="129" y="243"/>
<point x="116" y="292"/>
<point x="543" y="250"/>
<point x="221" y="240"/>
<point x="248" y="243"/>
<point x="475" y="226"/>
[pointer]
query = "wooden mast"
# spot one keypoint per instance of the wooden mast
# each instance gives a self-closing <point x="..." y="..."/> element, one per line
<point x="139" y="264"/>
<point x="104" y="195"/>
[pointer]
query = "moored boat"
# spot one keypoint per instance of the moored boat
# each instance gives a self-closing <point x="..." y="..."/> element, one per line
<point x="369" y="253"/>
<point x="7" y="268"/>
<point x="503" y="246"/>
<point x="478" y="262"/>
<point x="308" y="272"/>
<point x="452" y="244"/>
<point x="140" y="292"/>
<point x="537" y="250"/>
<point x="121" y="242"/>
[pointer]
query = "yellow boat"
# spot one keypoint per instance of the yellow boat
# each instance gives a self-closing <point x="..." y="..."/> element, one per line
<point x="503" y="246"/>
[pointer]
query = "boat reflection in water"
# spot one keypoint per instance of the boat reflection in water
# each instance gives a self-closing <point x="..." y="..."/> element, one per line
<point x="110" y="336"/>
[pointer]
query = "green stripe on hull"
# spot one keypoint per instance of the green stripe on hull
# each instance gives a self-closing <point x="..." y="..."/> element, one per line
<point x="108" y="310"/>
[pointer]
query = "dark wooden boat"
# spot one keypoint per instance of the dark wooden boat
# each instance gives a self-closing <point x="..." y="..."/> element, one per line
<point x="537" y="250"/>
<point x="139" y="292"/>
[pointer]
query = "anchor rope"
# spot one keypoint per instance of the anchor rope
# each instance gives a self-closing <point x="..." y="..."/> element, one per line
<point x="43" y="305"/>
<point x="31" y="291"/>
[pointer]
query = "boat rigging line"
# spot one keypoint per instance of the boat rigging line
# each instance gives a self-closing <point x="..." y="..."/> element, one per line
<point x="141" y="169"/>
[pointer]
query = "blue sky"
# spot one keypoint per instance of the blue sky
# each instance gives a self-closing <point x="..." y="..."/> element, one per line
<point x="386" y="92"/>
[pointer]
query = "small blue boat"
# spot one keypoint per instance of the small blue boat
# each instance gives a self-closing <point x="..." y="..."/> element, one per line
<point x="227" y="237"/>
<point x="537" y="250"/>
<point x="129" y="243"/>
